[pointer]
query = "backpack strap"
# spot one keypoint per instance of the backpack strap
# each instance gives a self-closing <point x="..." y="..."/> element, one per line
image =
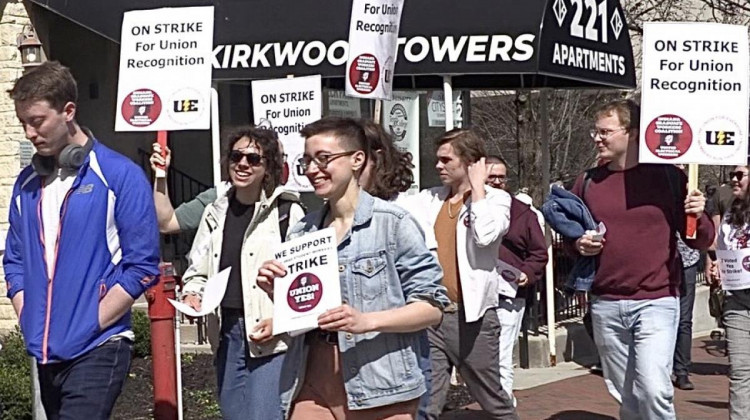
<point x="284" y="208"/>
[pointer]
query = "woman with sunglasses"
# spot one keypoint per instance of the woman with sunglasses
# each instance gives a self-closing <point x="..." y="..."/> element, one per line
<point x="361" y="363"/>
<point x="734" y="235"/>
<point x="239" y="231"/>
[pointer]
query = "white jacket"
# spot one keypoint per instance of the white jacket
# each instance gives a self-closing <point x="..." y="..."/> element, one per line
<point x="477" y="246"/>
<point x="261" y="236"/>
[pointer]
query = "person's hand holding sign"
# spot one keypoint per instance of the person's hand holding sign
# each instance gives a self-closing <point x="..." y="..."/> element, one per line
<point x="347" y="319"/>
<point x="267" y="273"/>
<point x="695" y="202"/>
<point x="262" y="332"/>
<point x="160" y="159"/>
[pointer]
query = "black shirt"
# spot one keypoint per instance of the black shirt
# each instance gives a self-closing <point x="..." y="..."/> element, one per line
<point x="238" y="219"/>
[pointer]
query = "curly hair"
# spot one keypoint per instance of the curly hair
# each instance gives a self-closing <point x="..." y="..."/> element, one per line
<point x="268" y="142"/>
<point x="392" y="170"/>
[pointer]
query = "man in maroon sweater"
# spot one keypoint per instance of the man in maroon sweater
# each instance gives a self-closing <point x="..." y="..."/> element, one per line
<point x="635" y="307"/>
<point x="525" y="248"/>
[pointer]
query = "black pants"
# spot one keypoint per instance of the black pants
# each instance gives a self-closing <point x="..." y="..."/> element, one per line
<point x="87" y="387"/>
<point x="684" y="343"/>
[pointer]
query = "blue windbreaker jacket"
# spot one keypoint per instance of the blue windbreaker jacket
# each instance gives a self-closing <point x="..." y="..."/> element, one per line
<point x="108" y="235"/>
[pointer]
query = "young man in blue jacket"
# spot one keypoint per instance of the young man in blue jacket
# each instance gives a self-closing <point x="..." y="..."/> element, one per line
<point x="83" y="244"/>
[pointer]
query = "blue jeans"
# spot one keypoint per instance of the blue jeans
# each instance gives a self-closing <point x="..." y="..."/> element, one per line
<point x="636" y="340"/>
<point x="248" y="386"/>
<point x="737" y="325"/>
<point x="88" y="386"/>
<point x="423" y="360"/>
<point x="682" y="356"/>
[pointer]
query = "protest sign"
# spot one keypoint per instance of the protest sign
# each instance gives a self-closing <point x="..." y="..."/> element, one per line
<point x="340" y="105"/>
<point x="165" y="69"/>
<point x="400" y="118"/>
<point x="288" y="105"/>
<point x="507" y="281"/>
<point x="694" y="103"/>
<point x="311" y="285"/>
<point x="373" y="44"/>
<point x="734" y="267"/>
<point x="212" y="295"/>
<point x="436" y="108"/>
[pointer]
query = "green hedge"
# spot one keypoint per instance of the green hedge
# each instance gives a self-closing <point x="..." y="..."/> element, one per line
<point x="142" y="331"/>
<point x="15" y="378"/>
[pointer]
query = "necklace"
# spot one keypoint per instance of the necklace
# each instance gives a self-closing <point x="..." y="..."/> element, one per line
<point x="458" y="208"/>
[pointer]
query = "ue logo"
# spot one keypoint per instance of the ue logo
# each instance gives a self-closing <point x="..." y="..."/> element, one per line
<point x="720" y="138"/>
<point x="186" y="105"/>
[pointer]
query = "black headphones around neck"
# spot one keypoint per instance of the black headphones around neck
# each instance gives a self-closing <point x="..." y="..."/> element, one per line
<point x="71" y="158"/>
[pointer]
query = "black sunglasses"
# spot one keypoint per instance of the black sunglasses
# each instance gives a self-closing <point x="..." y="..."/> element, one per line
<point x="736" y="174"/>
<point x="254" y="159"/>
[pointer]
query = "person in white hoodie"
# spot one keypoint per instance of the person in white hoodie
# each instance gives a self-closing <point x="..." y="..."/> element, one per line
<point x="239" y="231"/>
<point x="468" y="221"/>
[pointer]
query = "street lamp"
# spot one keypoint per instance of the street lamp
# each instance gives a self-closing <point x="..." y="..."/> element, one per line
<point x="30" y="47"/>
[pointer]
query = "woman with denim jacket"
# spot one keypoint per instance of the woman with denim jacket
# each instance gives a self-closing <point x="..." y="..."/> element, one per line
<point x="362" y="361"/>
<point x="238" y="231"/>
<point x="734" y="235"/>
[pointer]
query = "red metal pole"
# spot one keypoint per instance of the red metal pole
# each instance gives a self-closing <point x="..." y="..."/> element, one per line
<point x="162" y="315"/>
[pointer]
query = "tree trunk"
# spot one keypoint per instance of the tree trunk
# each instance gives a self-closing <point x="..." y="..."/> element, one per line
<point x="528" y="146"/>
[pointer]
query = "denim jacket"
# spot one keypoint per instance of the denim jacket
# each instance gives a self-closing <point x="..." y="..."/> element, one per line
<point x="383" y="264"/>
<point x="568" y="215"/>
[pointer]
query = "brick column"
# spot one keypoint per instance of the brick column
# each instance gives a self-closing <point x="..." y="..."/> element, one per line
<point x="13" y="18"/>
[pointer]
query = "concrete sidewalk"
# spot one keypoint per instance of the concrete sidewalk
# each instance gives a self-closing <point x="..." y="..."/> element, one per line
<point x="585" y="397"/>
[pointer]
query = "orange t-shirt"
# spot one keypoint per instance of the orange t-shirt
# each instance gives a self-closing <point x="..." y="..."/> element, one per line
<point x="445" y="233"/>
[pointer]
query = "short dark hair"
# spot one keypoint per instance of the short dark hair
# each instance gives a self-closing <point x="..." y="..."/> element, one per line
<point x="348" y="131"/>
<point x="392" y="170"/>
<point x="496" y="159"/>
<point x="627" y="110"/>
<point x="268" y="142"/>
<point x="51" y="82"/>
<point x="466" y="143"/>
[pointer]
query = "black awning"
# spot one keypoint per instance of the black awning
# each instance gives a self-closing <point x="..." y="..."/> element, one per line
<point x="483" y="44"/>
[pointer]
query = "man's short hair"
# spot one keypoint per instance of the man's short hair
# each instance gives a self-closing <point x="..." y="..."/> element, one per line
<point x="348" y="131"/>
<point x="496" y="159"/>
<point x="466" y="144"/>
<point x="627" y="110"/>
<point x="51" y="82"/>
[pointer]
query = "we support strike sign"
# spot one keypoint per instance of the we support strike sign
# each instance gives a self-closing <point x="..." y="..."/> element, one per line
<point x="165" y="69"/>
<point x="373" y="43"/>
<point x="694" y="106"/>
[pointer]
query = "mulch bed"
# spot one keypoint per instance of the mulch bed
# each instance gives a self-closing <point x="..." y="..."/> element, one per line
<point x="199" y="391"/>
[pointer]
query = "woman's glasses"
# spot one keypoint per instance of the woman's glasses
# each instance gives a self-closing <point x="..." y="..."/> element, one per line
<point x="253" y="159"/>
<point x="322" y="160"/>
<point x="736" y="174"/>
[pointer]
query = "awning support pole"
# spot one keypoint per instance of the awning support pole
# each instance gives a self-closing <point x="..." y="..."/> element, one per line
<point x="215" y="136"/>
<point x="448" y="98"/>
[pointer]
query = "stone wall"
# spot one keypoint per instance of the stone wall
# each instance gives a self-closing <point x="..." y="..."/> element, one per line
<point x="13" y="18"/>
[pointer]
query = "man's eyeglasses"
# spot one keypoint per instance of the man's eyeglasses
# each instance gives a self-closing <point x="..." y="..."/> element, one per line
<point x="253" y="159"/>
<point x="737" y="174"/>
<point x="322" y="160"/>
<point x="604" y="133"/>
<point x="497" y="179"/>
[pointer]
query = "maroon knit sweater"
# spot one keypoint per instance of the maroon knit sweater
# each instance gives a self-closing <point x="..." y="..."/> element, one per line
<point x="524" y="246"/>
<point x="639" y="208"/>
